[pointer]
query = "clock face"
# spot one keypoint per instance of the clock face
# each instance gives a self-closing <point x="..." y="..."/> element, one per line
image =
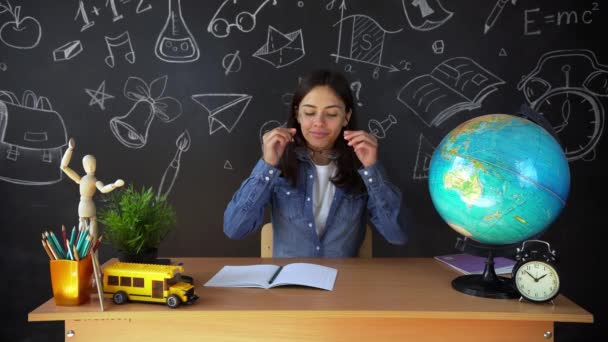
<point x="537" y="281"/>
<point x="578" y="120"/>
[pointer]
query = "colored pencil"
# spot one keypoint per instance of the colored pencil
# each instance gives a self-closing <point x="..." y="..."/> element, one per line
<point x="75" y="253"/>
<point x="64" y="234"/>
<point x="48" y="251"/>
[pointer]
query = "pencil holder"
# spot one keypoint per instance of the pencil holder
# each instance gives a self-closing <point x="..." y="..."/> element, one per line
<point x="71" y="281"/>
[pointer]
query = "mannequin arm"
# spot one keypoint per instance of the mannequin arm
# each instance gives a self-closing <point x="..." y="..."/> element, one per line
<point x="65" y="161"/>
<point x="107" y="188"/>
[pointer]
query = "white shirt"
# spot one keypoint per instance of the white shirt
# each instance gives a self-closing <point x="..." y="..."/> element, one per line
<point x="322" y="195"/>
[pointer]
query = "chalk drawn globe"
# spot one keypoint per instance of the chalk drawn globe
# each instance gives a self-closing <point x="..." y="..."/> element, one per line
<point x="499" y="179"/>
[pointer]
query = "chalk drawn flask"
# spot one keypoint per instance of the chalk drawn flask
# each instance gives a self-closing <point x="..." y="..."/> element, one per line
<point x="175" y="43"/>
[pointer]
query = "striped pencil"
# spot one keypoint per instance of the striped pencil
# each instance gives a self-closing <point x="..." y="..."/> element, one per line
<point x="52" y="244"/>
<point x="85" y="245"/>
<point x="48" y="251"/>
<point x="49" y="245"/>
<point x="75" y="253"/>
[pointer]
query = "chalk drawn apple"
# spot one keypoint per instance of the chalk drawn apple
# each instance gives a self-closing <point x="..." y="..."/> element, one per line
<point x="20" y="33"/>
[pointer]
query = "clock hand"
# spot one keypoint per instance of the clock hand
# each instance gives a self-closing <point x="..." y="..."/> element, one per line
<point x="535" y="280"/>
<point x="541" y="277"/>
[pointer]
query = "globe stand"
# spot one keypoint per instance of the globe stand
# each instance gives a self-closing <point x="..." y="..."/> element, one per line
<point x="487" y="284"/>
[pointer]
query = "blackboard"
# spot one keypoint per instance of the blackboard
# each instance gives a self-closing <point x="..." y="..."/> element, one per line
<point x="221" y="72"/>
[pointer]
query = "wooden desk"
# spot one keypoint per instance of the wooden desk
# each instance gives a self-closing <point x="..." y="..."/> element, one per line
<point x="401" y="299"/>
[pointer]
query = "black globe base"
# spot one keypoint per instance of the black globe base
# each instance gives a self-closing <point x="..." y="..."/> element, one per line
<point x="475" y="285"/>
<point x="487" y="284"/>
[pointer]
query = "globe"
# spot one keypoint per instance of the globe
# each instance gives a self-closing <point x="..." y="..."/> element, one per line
<point x="499" y="179"/>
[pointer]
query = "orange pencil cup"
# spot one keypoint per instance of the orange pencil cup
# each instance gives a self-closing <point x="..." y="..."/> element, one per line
<point x="71" y="281"/>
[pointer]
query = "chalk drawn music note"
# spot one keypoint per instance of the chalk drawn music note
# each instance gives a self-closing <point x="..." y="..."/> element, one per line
<point x="117" y="42"/>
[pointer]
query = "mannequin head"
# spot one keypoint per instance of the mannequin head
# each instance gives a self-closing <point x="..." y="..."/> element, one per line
<point x="89" y="164"/>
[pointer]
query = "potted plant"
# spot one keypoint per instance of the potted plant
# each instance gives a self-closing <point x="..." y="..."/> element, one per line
<point x="135" y="223"/>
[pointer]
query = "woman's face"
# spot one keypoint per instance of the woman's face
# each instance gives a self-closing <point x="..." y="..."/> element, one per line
<point x="322" y="115"/>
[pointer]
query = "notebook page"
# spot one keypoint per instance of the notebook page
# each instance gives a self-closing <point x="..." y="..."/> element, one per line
<point x="242" y="276"/>
<point x="306" y="274"/>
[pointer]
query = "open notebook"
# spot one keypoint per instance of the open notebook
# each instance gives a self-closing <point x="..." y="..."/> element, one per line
<point x="268" y="276"/>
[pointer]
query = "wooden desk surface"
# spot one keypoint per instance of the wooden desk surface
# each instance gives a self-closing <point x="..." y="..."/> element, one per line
<point x="378" y="288"/>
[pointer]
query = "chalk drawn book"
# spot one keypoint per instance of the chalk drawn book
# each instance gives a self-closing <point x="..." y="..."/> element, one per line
<point x="269" y="276"/>
<point x="455" y="85"/>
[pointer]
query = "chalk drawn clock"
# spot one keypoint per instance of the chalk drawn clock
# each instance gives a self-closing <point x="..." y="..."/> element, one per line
<point x="566" y="87"/>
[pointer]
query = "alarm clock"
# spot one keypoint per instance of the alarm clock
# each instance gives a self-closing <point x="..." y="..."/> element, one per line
<point x="535" y="274"/>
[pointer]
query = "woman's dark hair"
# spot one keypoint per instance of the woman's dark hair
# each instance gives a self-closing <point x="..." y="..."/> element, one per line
<point x="347" y="161"/>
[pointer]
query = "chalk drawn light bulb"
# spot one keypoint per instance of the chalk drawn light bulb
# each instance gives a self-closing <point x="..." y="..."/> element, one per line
<point x="175" y="43"/>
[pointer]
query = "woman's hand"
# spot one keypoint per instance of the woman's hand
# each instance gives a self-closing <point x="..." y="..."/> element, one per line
<point x="365" y="146"/>
<point x="274" y="143"/>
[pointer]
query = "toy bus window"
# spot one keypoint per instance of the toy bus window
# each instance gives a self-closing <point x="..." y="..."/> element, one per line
<point x="174" y="280"/>
<point x="138" y="282"/>
<point x="125" y="281"/>
<point x="112" y="280"/>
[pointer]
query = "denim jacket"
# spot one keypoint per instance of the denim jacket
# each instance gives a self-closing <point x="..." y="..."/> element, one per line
<point x="294" y="232"/>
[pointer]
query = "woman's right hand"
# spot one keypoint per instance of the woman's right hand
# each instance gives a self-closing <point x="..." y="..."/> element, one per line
<point x="274" y="143"/>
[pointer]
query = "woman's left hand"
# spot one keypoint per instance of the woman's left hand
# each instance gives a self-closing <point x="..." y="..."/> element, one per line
<point x="365" y="146"/>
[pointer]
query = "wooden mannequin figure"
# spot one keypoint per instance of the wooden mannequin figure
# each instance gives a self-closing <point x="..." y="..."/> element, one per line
<point x="88" y="185"/>
<point x="86" y="208"/>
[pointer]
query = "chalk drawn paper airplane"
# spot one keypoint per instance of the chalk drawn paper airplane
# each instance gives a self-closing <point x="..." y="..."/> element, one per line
<point x="425" y="15"/>
<point x="455" y="85"/>
<point x="225" y="110"/>
<point x="281" y="49"/>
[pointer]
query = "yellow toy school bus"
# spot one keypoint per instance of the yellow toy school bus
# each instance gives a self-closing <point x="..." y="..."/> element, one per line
<point x="147" y="283"/>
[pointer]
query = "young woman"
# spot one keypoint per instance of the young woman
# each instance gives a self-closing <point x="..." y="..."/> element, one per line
<point x="320" y="176"/>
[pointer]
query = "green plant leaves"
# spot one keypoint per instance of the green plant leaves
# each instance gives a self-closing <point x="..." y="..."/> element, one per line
<point x="136" y="220"/>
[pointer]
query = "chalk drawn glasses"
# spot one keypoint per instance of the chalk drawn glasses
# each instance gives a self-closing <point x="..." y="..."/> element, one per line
<point x="244" y="21"/>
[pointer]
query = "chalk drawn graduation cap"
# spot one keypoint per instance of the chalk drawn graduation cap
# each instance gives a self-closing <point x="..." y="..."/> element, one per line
<point x="225" y="110"/>
<point x="281" y="49"/>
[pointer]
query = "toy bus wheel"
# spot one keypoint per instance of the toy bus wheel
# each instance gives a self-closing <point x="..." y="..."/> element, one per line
<point x="120" y="297"/>
<point x="173" y="301"/>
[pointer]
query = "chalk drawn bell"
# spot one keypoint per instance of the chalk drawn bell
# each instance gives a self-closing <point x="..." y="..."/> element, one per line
<point x="132" y="128"/>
